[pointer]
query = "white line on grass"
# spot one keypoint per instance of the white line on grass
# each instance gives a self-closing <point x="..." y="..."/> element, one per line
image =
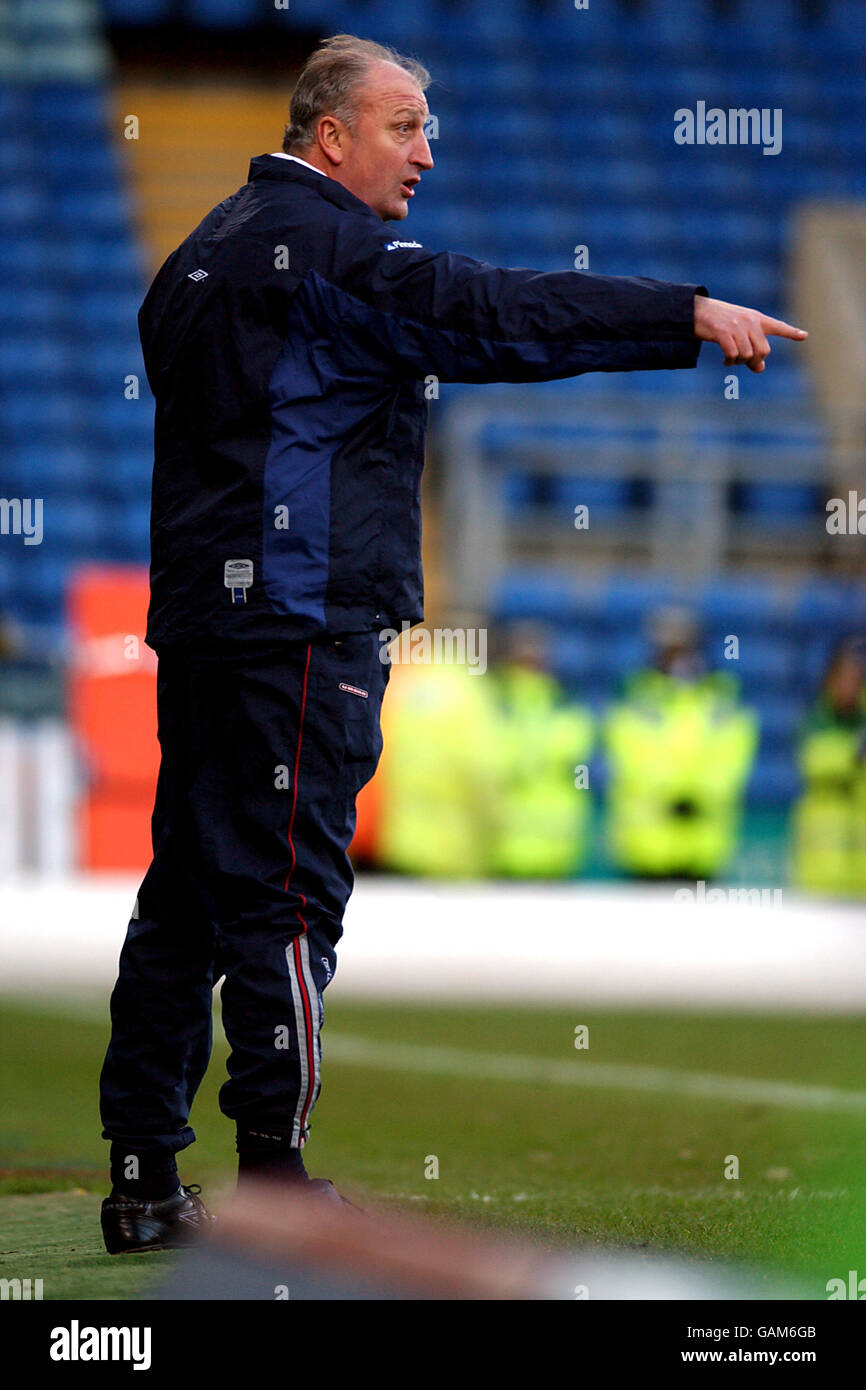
<point x="484" y="1066"/>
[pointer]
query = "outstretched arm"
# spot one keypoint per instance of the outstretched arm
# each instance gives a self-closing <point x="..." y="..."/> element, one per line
<point x="461" y="319"/>
<point x="741" y="333"/>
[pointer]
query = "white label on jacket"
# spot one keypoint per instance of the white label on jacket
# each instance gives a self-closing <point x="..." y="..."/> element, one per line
<point x="238" y="576"/>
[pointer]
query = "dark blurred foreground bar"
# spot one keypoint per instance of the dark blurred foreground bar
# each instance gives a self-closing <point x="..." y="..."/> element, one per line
<point x="273" y="1245"/>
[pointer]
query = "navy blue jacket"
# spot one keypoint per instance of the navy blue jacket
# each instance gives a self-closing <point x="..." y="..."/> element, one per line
<point x="287" y="342"/>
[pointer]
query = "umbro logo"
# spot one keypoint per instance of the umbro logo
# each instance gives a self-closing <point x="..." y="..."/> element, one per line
<point x="197" y="275"/>
<point x="397" y="245"/>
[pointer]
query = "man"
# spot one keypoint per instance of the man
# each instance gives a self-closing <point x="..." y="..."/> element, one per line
<point x="829" y="821"/>
<point x="286" y="342"/>
<point x="438" y="779"/>
<point x="543" y="740"/>
<point x="680" y="748"/>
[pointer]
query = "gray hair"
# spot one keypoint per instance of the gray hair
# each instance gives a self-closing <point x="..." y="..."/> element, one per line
<point x="329" y="84"/>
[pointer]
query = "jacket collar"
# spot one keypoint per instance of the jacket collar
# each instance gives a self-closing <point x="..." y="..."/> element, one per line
<point x="267" y="166"/>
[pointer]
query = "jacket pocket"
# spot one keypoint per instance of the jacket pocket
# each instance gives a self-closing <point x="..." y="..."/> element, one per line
<point x="358" y="668"/>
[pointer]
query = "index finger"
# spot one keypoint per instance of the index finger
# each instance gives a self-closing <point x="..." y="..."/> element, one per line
<point x="780" y="329"/>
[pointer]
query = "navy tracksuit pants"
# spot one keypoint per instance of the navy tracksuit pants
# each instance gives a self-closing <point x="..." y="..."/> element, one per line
<point x="262" y="758"/>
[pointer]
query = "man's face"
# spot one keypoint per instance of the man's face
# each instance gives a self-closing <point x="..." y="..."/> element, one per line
<point x="382" y="159"/>
<point x="845" y="685"/>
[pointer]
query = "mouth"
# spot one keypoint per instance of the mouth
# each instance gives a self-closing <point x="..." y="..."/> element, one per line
<point x="408" y="188"/>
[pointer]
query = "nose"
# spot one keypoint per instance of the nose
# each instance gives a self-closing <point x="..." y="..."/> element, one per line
<point x="423" y="158"/>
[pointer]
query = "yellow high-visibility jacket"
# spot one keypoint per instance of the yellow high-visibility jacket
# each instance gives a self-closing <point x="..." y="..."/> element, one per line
<point x="829" y="822"/>
<point x="679" y="754"/>
<point x="438" y="772"/>
<point x="542" y="745"/>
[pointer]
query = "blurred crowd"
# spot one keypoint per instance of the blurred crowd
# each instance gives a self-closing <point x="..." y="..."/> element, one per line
<point x="505" y="775"/>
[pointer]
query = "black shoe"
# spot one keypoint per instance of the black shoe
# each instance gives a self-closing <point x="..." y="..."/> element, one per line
<point x="129" y="1224"/>
<point x="325" y="1191"/>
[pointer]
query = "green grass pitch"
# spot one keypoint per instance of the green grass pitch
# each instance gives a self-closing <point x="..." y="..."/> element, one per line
<point x="596" y="1165"/>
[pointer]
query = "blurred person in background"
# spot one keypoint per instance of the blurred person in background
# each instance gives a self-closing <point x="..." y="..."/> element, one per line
<point x="478" y="773"/>
<point x="829" y="822"/>
<point x="7" y="643"/>
<point x="680" y="747"/>
<point x="32" y="673"/>
<point x="438" y="784"/>
<point x="542" y="743"/>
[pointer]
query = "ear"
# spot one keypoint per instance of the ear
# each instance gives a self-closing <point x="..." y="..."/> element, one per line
<point x="330" y="137"/>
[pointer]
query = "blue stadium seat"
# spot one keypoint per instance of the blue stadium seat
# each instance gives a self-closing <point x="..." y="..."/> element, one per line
<point x="224" y="14"/>
<point x="131" y="12"/>
<point x="781" y="718"/>
<point x="624" y="654"/>
<point x="629" y="598"/>
<point x="774" y="780"/>
<point x="771" y="23"/>
<point x="544" y="596"/>
<point x="845" y="19"/>
<point x="108" y="311"/>
<point x="603" y="496"/>
<point x="84" y="165"/>
<point x="499" y="26"/>
<point x="35" y="308"/>
<point x="15" y="157"/>
<point x="822" y="603"/>
<point x="107" y="262"/>
<point x="583" y="86"/>
<point x="579" y="35"/>
<point x="574" y="658"/>
<point x="765" y="663"/>
<point x="58" y="469"/>
<point x="107" y="208"/>
<point x="506" y="128"/>
<point x="13" y="107"/>
<point x="411" y="28"/>
<point x="725" y="599"/>
<point x="123" y="474"/>
<point x="38" y="587"/>
<point x="72" y="110"/>
<point x="8" y="573"/>
<point x="21" y="207"/>
<point x="816" y="649"/>
<point x="37" y="413"/>
<point x="105" y="364"/>
<point x="777" y="504"/>
<point x="127" y="531"/>
<point x="27" y="357"/>
<point x="517" y="491"/>
<point x="685" y="25"/>
<point x="497" y="84"/>
<point x="118" y="422"/>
